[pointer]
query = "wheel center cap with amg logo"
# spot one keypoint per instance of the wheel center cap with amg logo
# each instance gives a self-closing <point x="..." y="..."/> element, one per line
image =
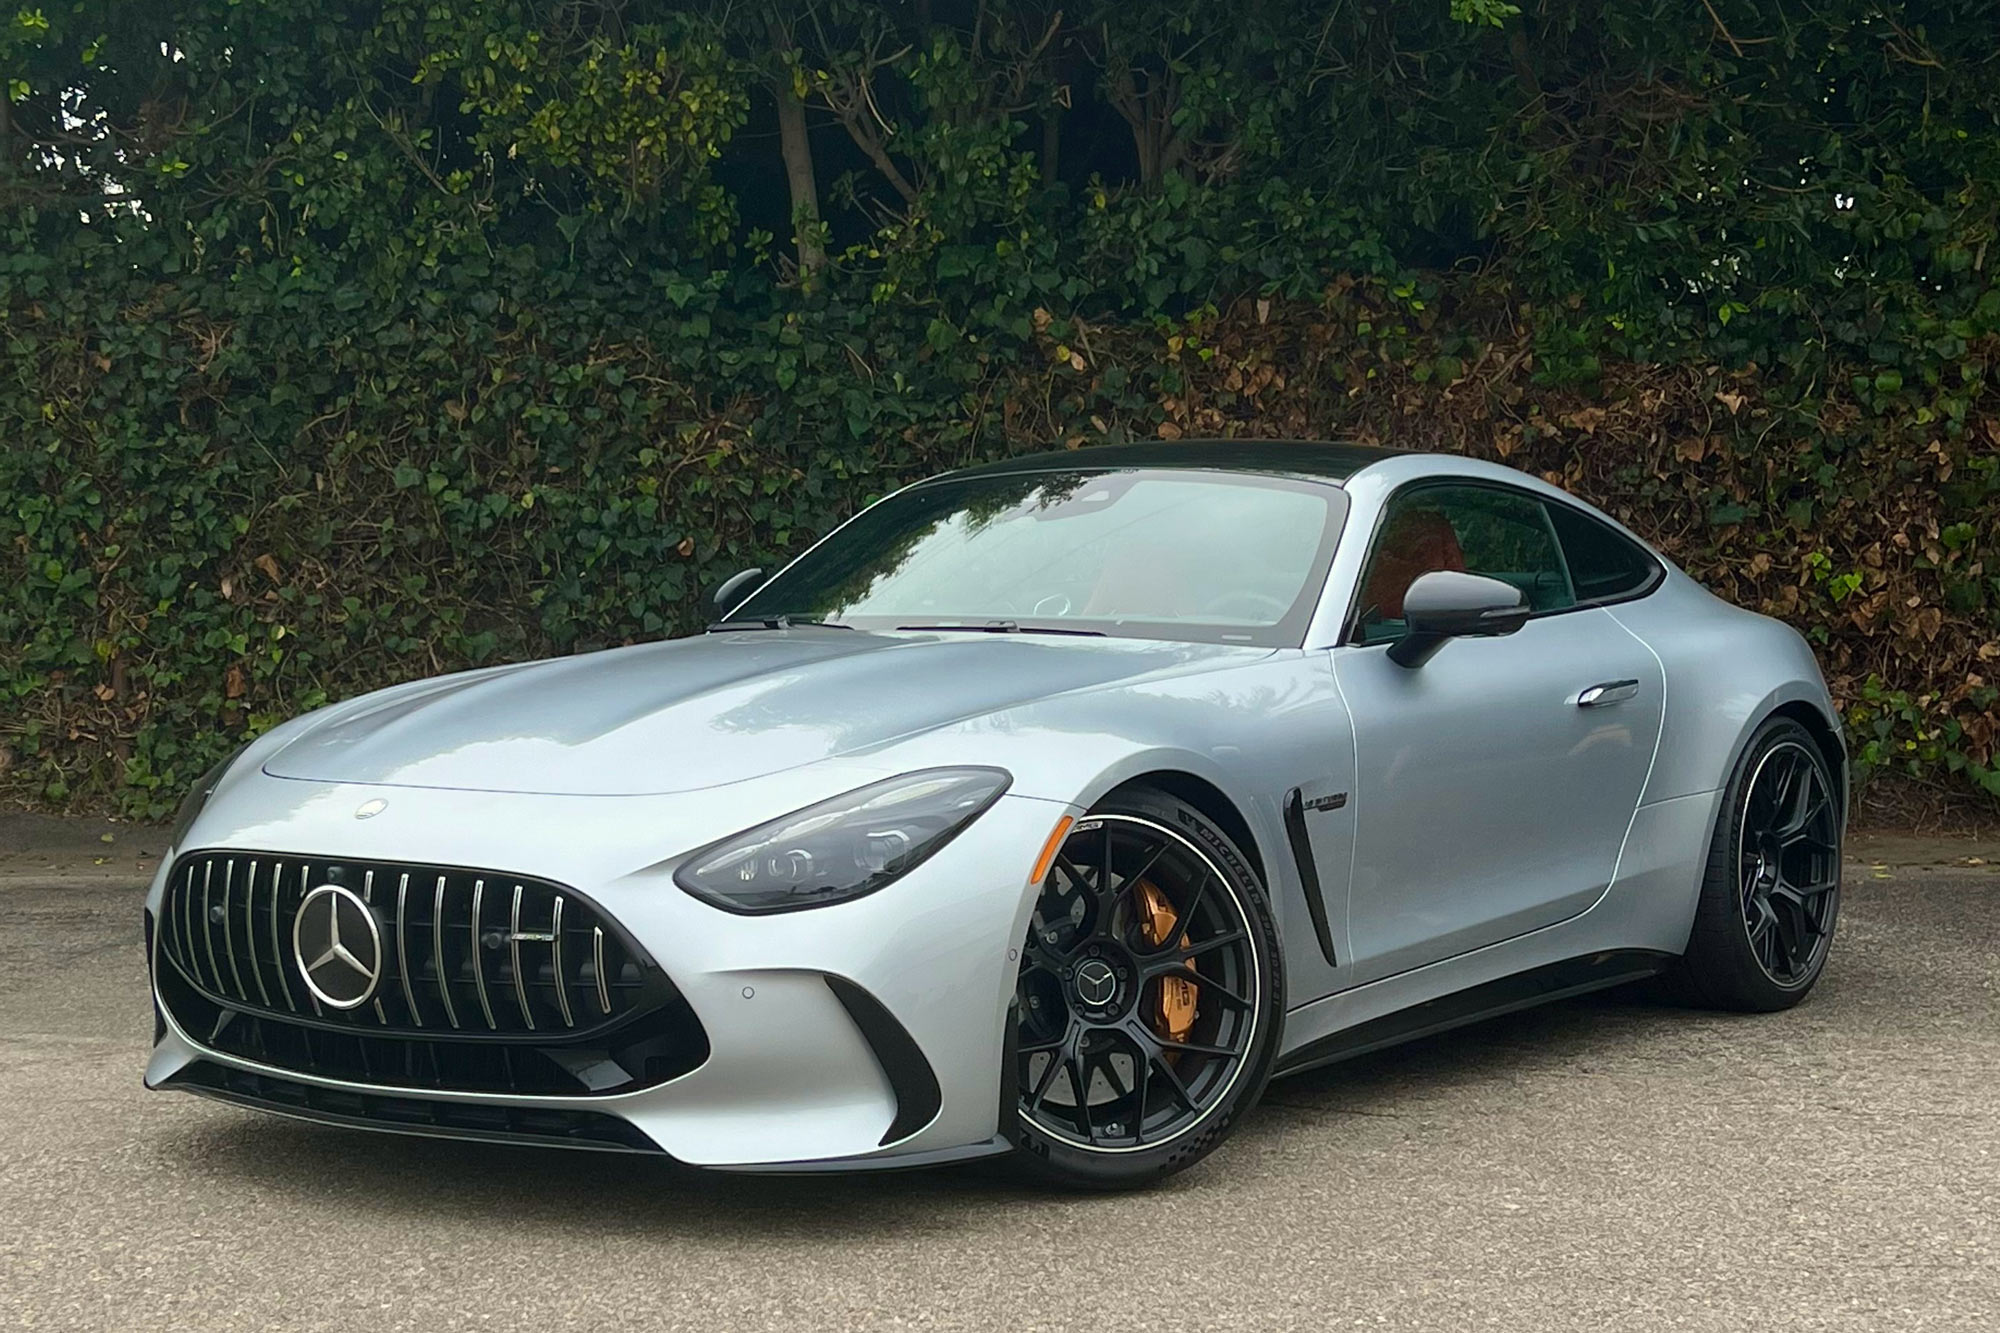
<point x="338" y="947"/>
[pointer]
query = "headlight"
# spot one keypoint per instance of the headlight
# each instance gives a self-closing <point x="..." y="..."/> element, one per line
<point x="192" y="803"/>
<point x="844" y="848"/>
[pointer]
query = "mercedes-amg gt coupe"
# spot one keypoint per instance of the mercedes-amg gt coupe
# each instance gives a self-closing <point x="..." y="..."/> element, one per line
<point x="1048" y="808"/>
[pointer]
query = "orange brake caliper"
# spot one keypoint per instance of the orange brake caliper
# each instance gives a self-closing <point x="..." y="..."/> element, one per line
<point x="1173" y="1015"/>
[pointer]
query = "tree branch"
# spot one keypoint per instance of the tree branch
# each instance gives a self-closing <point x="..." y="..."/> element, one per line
<point x="851" y="97"/>
<point x="796" y="150"/>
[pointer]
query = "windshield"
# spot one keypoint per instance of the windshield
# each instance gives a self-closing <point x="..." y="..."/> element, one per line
<point x="1147" y="553"/>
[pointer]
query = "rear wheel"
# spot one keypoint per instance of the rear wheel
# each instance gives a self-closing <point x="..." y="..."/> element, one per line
<point x="1147" y="1000"/>
<point x="1771" y="896"/>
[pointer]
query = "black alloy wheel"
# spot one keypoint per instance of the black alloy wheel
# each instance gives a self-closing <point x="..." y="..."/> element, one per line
<point x="1770" y="894"/>
<point x="1144" y="997"/>
<point x="1788" y="862"/>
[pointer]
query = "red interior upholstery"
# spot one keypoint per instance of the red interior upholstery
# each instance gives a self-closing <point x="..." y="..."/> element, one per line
<point x="1417" y="541"/>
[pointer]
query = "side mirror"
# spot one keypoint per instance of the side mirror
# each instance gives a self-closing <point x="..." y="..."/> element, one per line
<point x="735" y="588"/>
<point x="1445" y="604"/>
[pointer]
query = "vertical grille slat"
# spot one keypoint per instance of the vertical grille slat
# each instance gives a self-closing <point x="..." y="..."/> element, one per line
<point x="478" y="967"/>
<point x="278" y="935"/>
<point x="228" y="932"/>
<point x="556" y="966"/>
<point x="305" y="887"/>
<point x="188" y="915"/>
<point x="403" y="948"/>
<point x="514" y="943"/>
<point x="437" y="953"/>
<point x="250" y="934"/>
<point x="368" y="896"/>
<point x="597" y="953"/>
<point x="207" y="930"/>
<point x="169" y="933"/>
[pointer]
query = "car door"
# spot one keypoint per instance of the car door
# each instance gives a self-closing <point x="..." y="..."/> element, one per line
<point x="1494" y="784"/>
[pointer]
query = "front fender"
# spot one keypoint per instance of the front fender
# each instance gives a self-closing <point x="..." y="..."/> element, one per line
<point x="1251" y="733"/>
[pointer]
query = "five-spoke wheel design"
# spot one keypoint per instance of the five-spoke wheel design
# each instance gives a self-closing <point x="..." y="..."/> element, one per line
<point x="1788" y="863"/>
<point x="1139" y="989"/>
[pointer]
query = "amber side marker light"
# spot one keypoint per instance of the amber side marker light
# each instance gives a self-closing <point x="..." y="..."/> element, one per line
<point x="1050" y="848"/>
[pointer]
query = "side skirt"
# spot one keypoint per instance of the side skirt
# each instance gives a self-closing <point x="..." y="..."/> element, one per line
<point x="1523" y="990"/>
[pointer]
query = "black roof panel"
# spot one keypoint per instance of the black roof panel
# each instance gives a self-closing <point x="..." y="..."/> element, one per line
<point x="1321" y="460"/>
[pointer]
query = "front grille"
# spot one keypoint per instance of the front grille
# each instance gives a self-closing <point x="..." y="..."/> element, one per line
<point x="485" y="981"/>
<point x="462" y="950"/>
<point x="504" y="1124"/>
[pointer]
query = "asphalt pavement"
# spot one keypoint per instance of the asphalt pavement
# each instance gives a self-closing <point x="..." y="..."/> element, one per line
<point x="1602" y="1164"/>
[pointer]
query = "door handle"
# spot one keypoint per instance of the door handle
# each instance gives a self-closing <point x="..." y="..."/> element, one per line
<point x="1610" y="692"/>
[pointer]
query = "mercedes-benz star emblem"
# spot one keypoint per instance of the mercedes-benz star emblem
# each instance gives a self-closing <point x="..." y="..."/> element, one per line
<point x="1095" y="982"/>
<point x="338" y="947"/>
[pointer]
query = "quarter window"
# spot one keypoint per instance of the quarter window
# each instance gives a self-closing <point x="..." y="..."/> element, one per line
<point x="1603" y="564"/>
<point x="1477" y="529"/>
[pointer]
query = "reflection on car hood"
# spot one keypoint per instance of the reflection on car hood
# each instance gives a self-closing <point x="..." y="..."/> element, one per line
<point x="699" y="712"/>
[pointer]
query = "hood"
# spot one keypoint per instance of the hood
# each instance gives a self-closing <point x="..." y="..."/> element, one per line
<point x="704" y="711"/>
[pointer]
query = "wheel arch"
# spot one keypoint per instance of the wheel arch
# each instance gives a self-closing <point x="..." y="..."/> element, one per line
<point x="1248" y="809"/>
<point x="1210" y="800"/>
<point x="1826" y="736"/>
<point x="1797" y="703"/>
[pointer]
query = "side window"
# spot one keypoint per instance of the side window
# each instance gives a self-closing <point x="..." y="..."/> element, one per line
<point x="1602" y="563"/>
<point x="1478" y="529"/>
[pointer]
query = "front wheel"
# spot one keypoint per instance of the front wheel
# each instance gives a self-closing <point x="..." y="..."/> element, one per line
<point x="1147" y="1001"/>
<point x="1771" y="895"/>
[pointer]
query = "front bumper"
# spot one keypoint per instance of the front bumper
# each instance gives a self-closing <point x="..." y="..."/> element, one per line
<point x="867" y="1034"/>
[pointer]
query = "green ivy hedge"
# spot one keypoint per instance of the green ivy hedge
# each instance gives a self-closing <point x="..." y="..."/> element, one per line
<point x="346" y="343"/>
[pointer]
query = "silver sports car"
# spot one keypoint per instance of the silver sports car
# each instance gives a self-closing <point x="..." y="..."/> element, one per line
<point x="1047" y="808"/>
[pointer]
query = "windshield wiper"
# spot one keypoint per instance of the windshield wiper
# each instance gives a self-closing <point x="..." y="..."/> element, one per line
<point x="776" y="622"/>
<point x="1006" y="627"/>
